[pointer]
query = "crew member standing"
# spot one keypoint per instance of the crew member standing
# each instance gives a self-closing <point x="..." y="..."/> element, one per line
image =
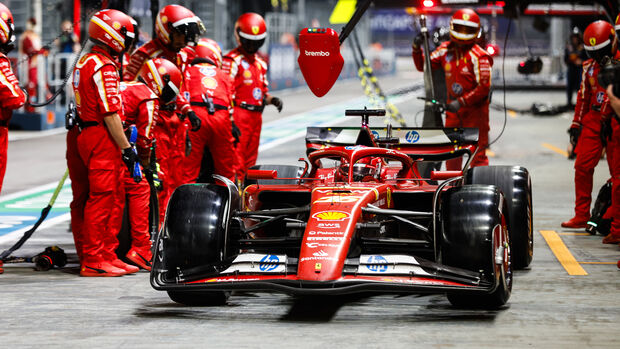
<point x="468" y="80"/>
<point x="11" y="96"/>
<point x="614" y="150"/>
<point x="249" y="74"/>
<point x="102" y="143"/>
<point x="591" y="111"/>
<point x="210" y="93"/>
<point x="175" y="27"/>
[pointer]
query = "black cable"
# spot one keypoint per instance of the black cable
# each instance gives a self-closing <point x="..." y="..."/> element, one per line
<point x="504" y="83"/>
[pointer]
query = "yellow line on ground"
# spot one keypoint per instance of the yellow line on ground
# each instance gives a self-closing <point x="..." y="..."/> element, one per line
<point x="614" y="263"/>
<point x="575" y="234"/>
<point x="555" y="149"/>
<point x="490" y="153"/>
<point x="562" y="253"/>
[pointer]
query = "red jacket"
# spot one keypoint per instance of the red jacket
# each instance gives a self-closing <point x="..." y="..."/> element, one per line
<point x="468" y="71"/>
<point x="249" y="74"/>
<point x="207" y="78"/>
<point x="140" y="108"/>
<point x="151" y="50"/>
<point x="11" y="96"/>
<point x="592" y="97"/>
<point x="95" y="86"/>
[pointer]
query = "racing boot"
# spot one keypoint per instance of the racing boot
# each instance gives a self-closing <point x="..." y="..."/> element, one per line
<point x="141" y="257"/>
<point x="130" y="269"/>
<point x="100" y="269"/>
<point x="611" y="239"/>
<point x="575" y="223"/>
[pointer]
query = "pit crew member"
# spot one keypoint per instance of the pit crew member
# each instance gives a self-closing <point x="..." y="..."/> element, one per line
<point x="249" y="74"/>
<point x="467" y="69"/>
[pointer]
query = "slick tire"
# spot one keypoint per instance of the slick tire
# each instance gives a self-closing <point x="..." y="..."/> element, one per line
<point x="516" y="184"/>
<point x="475" y="237"/>
<point x="199" y="298"/>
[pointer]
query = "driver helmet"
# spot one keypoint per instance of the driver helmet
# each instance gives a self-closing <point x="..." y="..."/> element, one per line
<point x="599" y="40"/>
<point x="163" y="78"/>
<point x="180" y="19"/>
<point x="112" y="29"/>
<point x="250" y="31"/>
<point x="363" y="170"/>
<point x="464" y="26"/>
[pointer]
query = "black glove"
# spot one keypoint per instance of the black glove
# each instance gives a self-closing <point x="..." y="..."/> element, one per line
<point x="573" y="134"/>
<point x="453" y="106"/>
<point x="277" y="102"/>
<point x="194" y="120"/>
<point x="606" y="131"/>
<point x="418" y="41"/>
<point x="236" y="133"/>
<point x="130" y="158"/>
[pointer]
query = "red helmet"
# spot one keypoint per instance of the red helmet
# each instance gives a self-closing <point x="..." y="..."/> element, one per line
<point x="364" y="170"/>
<point x="251" y="31"/>
<point x="180" y="19"/>
<point x="599" y="40"/>
<point x="464" y="26"/>
<point x="112" y="29"/>
<point x="6" y="25"/>
<point x="163" y="78"/>
<point x="209" y="48"/>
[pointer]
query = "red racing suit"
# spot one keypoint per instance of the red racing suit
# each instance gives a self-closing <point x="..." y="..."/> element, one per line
<point x="206" y="81"/>
<point x="591" y="109"/>
<point x="468" y="80"/>
<point x="95" y="86"/>
<point x="140" y="108"/>
<point x="613" y="150"/>
<point x="11" y="97"/>
<point x="249" y="75"/>
<point x="170" y="130"/>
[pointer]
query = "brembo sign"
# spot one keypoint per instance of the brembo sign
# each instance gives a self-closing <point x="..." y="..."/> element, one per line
<point x="316" y="53"/>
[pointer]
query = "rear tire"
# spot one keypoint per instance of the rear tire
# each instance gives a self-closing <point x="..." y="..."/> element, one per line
<point x="474" y="232"/>
<point x="515" y="183"/>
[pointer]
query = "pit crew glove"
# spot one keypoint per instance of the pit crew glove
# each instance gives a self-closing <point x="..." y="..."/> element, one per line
<point x="453" y="106"/>
<point x="194" y="120"/>
<point x="418" y="41"/>
<point x="277" y="102"/>
<point x="236" y="133"/>
<point x="573" y="134"/>
<point x="130" y="158"/>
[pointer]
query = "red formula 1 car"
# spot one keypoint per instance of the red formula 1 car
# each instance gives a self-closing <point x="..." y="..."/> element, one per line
<point x="357" y="217"/>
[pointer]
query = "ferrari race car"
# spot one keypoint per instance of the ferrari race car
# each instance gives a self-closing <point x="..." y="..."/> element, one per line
<point x="358" y="217"/>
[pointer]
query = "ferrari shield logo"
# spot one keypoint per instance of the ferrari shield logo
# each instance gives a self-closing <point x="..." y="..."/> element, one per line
<point x="592" y="41"/>
<point x="255" y="29"/>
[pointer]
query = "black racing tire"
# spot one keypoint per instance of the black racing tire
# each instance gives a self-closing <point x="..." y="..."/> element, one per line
<point x="199" y="298"/>
<point x="192" y="239"/>
<point x="473" y="229"/>
<point x="284" y="171"/>
<point x="516" y="184"/>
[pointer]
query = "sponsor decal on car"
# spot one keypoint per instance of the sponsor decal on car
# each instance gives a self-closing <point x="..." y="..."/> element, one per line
<point x="324" y="258"/>
<point x="320" y="253"/>
<point x="328" y="225"/>
<point x="331" y="216"/>
<point x="412" y="137"/>
<point x="324" y="238"/>
<point x="318" y="244"/>
<point x="337" y="199"/>
<point x="268" y="263"/>
<point x="313" y="232"/>
<point x="377" y="264"/>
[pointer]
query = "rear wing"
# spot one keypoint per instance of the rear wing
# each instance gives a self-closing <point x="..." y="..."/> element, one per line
<point x="432" y="144"/>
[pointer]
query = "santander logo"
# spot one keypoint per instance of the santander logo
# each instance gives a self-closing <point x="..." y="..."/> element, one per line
<point x="316" y="53"/>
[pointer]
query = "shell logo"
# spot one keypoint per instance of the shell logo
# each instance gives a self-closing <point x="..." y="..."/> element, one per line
<point x="330" y="216"/>
<point x="5" y="16"/>
<point x="164" y="19"/>
<point x="162" y="70"/>
<point x="116" y="25"/>
<point x="247" y="74"/>
<point x="255" y="29"/>
<point x="465" y="17"/>
<point x="209" y="83"/>
<point x="592" y="41"/>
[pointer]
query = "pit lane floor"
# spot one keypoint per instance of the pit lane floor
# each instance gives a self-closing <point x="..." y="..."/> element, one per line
<point x="549" y="307"/>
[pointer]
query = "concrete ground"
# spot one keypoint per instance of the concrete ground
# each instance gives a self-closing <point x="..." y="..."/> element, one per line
<point x="549" y="308"/>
